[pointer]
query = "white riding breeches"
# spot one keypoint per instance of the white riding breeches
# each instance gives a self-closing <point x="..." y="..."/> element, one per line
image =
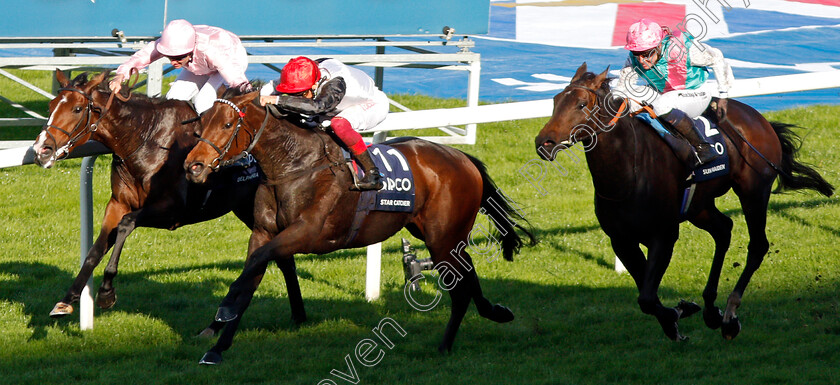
<point x="692" y="102"/>
<point x="200" y="89"/>
<point x="367" y="115"/>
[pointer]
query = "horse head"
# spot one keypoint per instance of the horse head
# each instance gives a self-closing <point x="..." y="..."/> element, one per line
<point x="576" y="113"/>
<point x="220" y="139"/>
<point x="73" y="116"/>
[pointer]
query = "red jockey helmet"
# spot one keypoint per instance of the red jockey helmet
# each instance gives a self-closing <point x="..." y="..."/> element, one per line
<point x="299" y="75"/>
<point x="178" y="38"/>
<point x="644" y="35"/>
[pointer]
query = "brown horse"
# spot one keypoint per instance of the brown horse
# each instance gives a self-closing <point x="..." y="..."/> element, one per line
<point x="150" y="139"/>
<point x="305" y="205"/>
<point x="639" y="184"/>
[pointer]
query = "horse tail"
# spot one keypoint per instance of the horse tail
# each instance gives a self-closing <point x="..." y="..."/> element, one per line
<point x="796" y="175"/>
<point x="502" y="212"/>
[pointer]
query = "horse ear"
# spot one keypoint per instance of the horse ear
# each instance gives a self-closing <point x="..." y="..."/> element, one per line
<point x="95" y="81"/>
<point x="580" y="71"/>
<point x="602" y="77"/>
<point x="244" y="99"/>
<point x="61" y="77"/>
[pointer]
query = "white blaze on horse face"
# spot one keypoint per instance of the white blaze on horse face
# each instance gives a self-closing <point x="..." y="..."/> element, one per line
<point x="41" y="140"/>
<point x="52" y="115"/>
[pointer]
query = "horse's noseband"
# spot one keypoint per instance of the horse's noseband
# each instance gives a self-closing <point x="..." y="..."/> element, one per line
<point x="216" y="163"/>
<point x="83" y="126"/>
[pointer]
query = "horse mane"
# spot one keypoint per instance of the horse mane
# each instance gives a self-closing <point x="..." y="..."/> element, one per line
<point x="236" y="91"/>
<point x="136" y="97"/>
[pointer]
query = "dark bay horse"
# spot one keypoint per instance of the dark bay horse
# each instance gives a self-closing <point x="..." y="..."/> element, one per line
<point x="150" y="139"/>
<point x="639" y="184"/>
<point x="305" y="205"/>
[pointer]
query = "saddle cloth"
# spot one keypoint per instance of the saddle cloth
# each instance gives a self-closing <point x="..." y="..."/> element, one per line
<point x="710" y="133"/>
<point x="716" y="168"/>
<point x="398" y="193"/>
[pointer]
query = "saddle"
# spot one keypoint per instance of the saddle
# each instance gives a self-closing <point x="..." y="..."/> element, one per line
<point x="711" y="134"/>
<point x="398" y="193"/>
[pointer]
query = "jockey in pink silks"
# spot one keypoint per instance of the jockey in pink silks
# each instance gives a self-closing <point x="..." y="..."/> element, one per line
<point x="209" y="57"/>
<point x="330" y="87"/>
<point x="674" y="66"/>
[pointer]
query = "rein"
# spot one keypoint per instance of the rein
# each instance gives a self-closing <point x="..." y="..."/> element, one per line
<point x="618" y="115"/>
<point x="87" y="127"/>
<point x="218" y="162"/>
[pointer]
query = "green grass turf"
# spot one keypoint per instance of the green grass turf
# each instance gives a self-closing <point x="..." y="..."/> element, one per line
<point x="577" y="320"/>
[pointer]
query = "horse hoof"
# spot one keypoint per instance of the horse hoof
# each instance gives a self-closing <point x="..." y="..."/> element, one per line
<point x="687" y="309"/>
<point x="670" y="326"/>
<point x="207" y="333"/>
<point x="731" y="329"/>
<point x="226" y="314"/>
<point x="502" y="314"/>
<point x="210" y="358"/>
<point x="106" y="299"/>
<point x="61" y="309"/>
<point x="444" y="350"/>
<point x="713" y="318"/>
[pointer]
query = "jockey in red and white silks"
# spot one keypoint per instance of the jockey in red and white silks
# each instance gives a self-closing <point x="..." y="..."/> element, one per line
<point x="346" y="95"/>
<point x="677" y="80"/>
<point x="209" y="56"/>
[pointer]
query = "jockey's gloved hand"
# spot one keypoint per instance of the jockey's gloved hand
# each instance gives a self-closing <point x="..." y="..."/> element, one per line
<point x="722" y="104"/>
<point x="246" y="88"/>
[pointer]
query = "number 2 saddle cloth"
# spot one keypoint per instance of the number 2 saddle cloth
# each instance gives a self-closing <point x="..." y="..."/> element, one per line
<point x="711" y="134"/>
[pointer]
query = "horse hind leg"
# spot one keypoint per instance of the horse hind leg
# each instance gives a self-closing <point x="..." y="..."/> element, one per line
<point x="755" y="214"/>
<point x="719" y="226"/>
<point x="494" y="312"/>
<point x="459" y="278"/>
<point x="287" y="266"/>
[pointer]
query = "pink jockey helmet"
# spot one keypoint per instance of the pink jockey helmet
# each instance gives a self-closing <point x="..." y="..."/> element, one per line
<point x="644" y="35"/>
<point x="178" y="38"/>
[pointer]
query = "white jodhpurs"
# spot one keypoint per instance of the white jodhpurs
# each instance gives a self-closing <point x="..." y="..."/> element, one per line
<point x="200" y="89"/>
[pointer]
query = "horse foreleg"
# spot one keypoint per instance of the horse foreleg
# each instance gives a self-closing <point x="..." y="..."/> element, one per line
<point x="106" y="297"/>
<point x="719" y="226"/>
<point x="659" y="257"/>
<point x="229" y="315"/>
<point x="114" y="211"/>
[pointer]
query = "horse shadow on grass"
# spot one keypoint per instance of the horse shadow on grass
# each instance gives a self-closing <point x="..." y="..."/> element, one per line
<point x="554" y="320"/>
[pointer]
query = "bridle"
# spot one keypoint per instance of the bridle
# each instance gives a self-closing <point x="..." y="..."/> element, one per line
<point x="216" y="163"/>
<point x="81" y="130"/>
<point x="611" y="124"/>
<point x="618" y="114"/>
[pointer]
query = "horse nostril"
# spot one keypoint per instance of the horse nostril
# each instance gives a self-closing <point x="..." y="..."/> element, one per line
<point x="196" y="168"/>
<point x="549" y="143"/>
<point x="46" y="150"/>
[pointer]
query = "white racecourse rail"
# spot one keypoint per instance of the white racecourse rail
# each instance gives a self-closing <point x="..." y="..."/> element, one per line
<point x="416" y="120"/>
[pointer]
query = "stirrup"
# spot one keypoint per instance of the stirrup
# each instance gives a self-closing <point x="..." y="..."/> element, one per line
<point x="365" y="185"/>
<point x="705" y="153"/>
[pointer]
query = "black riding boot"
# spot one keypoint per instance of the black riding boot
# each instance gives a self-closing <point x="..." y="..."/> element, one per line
<point x="703" y="151"/>
<point x="372" y="179"/>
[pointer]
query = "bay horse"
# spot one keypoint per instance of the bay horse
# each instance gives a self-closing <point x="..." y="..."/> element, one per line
<point x="305" y="205"/>
<point x="150" y="138"/>
<point x="639" y="184"/>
